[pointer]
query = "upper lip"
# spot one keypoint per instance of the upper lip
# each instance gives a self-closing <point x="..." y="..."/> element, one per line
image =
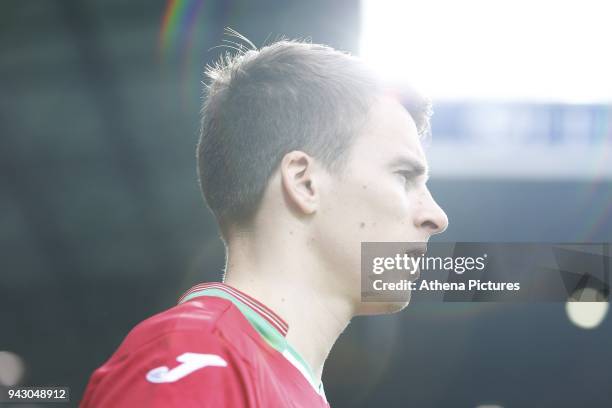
<point x="417" y="249"/>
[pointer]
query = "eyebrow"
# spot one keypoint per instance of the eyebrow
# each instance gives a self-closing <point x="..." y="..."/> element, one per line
<point x="414" y="165"/>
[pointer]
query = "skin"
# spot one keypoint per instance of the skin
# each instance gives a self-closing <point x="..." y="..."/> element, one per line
<point x="301" y="255"/>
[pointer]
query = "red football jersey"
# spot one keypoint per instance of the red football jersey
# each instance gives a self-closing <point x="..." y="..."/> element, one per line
<point x="217" y="348"/>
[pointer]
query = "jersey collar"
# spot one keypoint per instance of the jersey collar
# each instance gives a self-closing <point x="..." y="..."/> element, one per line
<point x="233" y="294"/>
<point x="268" y="324"/>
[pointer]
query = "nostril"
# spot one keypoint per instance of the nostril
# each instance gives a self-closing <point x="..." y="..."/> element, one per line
<point x="430" y="225"/>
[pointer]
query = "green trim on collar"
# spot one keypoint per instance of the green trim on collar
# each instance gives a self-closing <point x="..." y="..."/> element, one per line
<point x="270" y="334"/>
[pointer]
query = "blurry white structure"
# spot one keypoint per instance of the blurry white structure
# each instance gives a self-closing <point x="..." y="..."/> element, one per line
<point x="541" y="50"/>
<point x="454" y="161"/>
<point x="521" y="89"/>
<point x="11" y="369"/>
<point x="587" y="314"/>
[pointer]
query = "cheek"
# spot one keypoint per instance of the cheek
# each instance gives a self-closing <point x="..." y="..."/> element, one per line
<point x="360" y="212"/>
<point x="374" y="210"/>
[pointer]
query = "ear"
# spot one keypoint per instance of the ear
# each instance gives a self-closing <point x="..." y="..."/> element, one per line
<point x="299" y="187"/>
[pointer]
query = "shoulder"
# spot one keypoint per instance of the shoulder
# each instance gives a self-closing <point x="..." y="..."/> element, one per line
<point x="204" y="315"/>
<point x="185" y="353"/>
<point x="205" y="322"/>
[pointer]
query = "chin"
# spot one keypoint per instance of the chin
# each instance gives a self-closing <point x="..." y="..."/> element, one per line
<point x="379" y="308"/>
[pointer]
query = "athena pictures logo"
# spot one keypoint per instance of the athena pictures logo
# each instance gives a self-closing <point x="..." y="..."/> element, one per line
<point x="489" y="272"/>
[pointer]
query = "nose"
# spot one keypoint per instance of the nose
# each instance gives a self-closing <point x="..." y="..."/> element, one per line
<point x="431" y="217"/>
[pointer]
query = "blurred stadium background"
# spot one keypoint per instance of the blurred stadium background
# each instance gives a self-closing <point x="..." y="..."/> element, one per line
<point x="102" y="224"/>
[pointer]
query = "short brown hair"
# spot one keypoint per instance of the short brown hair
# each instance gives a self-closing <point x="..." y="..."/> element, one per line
<point x="262" y="104"/>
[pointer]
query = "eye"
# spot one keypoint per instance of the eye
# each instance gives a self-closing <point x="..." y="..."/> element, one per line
<point x="408" y="177"/>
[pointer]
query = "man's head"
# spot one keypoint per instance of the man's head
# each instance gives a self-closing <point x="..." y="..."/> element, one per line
<point x="309" y="134"/>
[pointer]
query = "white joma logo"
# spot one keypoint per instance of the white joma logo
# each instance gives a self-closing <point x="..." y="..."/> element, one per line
<point x="190" y="362"/>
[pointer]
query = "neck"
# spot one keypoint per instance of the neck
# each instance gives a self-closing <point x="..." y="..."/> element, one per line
<point x="292" y="283"/>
